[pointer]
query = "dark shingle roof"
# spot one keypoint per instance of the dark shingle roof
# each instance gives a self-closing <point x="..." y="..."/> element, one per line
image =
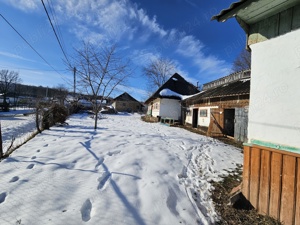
<point x="125" y="97"/>
<point x="177" y="84"/>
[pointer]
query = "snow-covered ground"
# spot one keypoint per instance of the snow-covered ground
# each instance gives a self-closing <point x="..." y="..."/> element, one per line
<point x="15" y="125"/>
<point x="126" y="172"/>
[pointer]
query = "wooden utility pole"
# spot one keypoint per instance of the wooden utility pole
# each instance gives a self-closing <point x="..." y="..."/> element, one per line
<point x="74" y="81"/>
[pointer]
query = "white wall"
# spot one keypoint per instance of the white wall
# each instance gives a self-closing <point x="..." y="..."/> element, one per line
<point x="189" y="116"/>
<point x="274" y="111"/>
<point x="204" y="121"/>
<point x="156" y="107"/>
<point x="170" y="108"/>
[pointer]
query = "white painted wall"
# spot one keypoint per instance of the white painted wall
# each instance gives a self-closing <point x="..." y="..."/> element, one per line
<point x="274" y="111"/>
<point x="204" y="121"/>
<point x="189" y="116"/>
<point x="170" y="108"/>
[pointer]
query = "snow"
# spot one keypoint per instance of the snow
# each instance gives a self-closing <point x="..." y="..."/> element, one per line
<point x="168" y="92"/>
<point x="126" y="172"/>
<point x="15" y="125"/>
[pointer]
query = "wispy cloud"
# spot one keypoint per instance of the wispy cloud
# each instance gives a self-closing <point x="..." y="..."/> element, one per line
<point x="24" y="5"/>
<point x="105" y="21"/>
<point x="10" y="55"/>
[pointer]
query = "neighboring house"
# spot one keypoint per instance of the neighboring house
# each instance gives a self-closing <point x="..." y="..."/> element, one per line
<point x="271" y="175"/>
<point x="166" y="101"/>
<point x="221" y="108"/>
<point x="126" y="103"/>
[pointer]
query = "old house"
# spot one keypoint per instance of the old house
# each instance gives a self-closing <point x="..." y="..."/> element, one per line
<point x="166" y="101"/>
<point x="126" y="103"/>
<point x="221" y="108"/>
<point x="271" y="175"/>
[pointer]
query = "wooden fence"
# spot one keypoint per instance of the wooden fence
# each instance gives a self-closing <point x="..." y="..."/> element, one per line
<point x="271" y="182"/>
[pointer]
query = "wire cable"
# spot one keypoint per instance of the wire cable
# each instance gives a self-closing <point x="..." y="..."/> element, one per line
<point x="55" y="32"/>
<point x="28" y="43"/>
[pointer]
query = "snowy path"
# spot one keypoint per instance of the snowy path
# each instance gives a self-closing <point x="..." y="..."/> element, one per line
<point x="126" y="172"/>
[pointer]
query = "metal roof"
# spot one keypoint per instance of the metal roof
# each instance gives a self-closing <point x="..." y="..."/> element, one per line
<point x="235" y="88"/>
<point x="252" y="11"/>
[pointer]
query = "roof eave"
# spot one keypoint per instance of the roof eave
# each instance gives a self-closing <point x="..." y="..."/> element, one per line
<point x="233" y="9"/>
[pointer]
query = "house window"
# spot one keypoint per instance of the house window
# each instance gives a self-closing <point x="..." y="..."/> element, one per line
<point x="203" y="112"/>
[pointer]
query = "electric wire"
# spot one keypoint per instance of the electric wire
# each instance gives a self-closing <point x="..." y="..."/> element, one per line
<point x="55" y="32"/>
<point x="54" y="17"/>
<point x="28" y="43"/>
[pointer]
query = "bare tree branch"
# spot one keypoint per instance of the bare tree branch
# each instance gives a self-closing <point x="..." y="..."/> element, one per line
<point x="158" y="72"/>
<point x="8" y="80"/>
<point x="99" y="71"/>
<point x="242" y="62"/>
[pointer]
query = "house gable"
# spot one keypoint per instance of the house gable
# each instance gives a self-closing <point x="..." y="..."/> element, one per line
<point x="177" y="86"/>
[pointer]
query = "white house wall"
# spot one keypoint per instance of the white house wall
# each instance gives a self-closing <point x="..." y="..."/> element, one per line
<point x="170" y="108"/>
<point x="156" y="108"/>
<point x="189" y="116"/>
<point x="202" y="121"/>
<point x="274" y="111"/>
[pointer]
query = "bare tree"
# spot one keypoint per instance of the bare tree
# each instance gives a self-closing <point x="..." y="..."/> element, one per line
<point x="242" y="62"/>
<point x="8" y="79"/>
<point x="60" y="93"/>
<point x="99" y="71"/>
<point x="158" y="72"/>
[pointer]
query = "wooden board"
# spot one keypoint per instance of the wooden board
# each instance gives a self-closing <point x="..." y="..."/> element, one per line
<point x="297" y="205"/>
<point x="275" y="185"/>
<point x="246" y="172"/>
<point x="254" y="176"/>
<point x="288" y="189"/>
<point x="264" y="185"/>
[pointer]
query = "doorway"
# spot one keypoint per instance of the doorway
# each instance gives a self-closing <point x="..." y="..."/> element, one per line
<point x="229" y="122"/>
<point x="195" y="118"/>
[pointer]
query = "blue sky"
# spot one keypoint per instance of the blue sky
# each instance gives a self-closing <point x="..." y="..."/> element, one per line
<point x="180" y="30"/>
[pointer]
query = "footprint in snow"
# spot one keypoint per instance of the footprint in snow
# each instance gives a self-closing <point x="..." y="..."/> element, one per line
<point x="38" y="150"/>
<point x="14" y="179"/>
<point x="30" y="166"/>
<point x="33" y="157"/>
<point x="103" y="180"/>
<point x="114" y="152"/>
<point x="85" y="210"/>
<point x="46" y="145"/>
<point x="2" y="197"/>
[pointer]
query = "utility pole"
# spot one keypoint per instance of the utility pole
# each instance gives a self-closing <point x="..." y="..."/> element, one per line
<point x="74" y="81"/>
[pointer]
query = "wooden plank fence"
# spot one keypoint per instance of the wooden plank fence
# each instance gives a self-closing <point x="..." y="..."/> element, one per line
<point x="271" y="182"/>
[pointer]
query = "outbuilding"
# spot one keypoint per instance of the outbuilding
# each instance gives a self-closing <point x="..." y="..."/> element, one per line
<point x="221" y="108"/>
<point x="271" y="172"/>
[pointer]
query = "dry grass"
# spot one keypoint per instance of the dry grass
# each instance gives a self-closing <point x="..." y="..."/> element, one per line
<point x="228" y="214"/>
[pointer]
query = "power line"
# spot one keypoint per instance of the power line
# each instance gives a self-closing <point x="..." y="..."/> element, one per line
<point x="55" y="32"/>
<point x="28" y="43"/>
<point x="54" y="17"/>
